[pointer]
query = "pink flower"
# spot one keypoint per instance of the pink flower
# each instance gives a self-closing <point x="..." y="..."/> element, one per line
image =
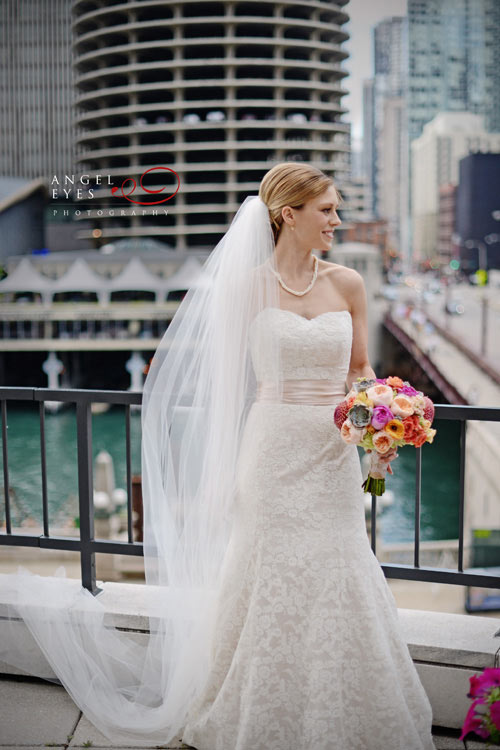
<point x="472" y="722"/>
<point x="382" y="441"/>
<point x="351" y="434"/>
<point x="381" y="395"/>
<point x="401" y="406"/>
<point x="475" y="687"/>
<point x="408" y="390"/>
<point x="490" y="677"/>
<point x="495" y="713"/>
<point x="380" y="416"/>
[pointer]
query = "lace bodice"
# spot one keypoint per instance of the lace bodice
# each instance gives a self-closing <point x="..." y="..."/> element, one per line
<point x="318" y="348"/>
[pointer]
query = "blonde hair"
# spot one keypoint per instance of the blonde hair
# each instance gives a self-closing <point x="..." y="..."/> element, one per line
<point x="291" y="184"/>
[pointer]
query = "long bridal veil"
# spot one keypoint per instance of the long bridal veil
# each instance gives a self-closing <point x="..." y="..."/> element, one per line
<point x="197" y="393"/>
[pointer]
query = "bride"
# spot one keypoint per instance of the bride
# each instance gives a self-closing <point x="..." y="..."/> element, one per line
<point x="271" y="624"/>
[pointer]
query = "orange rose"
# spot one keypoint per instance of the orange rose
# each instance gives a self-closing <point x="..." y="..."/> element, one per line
<point x="411" y="427"/>
<point x="420" y="438"/>
<point x="394" y="381"/>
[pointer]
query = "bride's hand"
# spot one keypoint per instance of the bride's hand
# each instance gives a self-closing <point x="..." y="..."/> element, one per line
<point x="391" y="454"/>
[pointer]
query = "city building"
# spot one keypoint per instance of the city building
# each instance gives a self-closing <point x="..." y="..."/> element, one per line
<point x="22" y="204"/>
<point x="218" y="92"/>
<point x="385" y="129"/>
<point x="454" y="63"/>
<point x="214" y="93"/>
<point x="446" y="222"/>
<point x="435" y="161"/>
<point x="477" y="224"/>
<point x="37" y="132"/>
<point x="355" y="204"/>
<point x="453" y="66"/>
<point x="368" y="158"/>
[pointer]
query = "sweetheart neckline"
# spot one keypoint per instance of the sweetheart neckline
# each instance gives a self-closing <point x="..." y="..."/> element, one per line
<point x="315" y="317"/>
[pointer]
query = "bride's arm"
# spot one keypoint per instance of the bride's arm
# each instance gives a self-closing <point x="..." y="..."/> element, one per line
<point x="355" y="292"/>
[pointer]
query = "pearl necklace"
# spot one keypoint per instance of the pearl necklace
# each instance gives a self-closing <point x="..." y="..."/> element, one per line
<point x="308" y="288"/>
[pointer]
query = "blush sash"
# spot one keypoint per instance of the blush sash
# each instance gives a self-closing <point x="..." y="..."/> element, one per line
<point x="301" y="392"/>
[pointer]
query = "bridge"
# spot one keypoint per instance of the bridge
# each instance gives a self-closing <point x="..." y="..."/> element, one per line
<point x="464" y="376"/>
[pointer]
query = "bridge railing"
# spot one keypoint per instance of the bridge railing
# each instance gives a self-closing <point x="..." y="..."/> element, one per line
<point x="87" y="545"/>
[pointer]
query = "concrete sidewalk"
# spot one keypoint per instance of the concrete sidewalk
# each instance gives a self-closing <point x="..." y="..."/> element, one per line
<point x="37" y="714"/>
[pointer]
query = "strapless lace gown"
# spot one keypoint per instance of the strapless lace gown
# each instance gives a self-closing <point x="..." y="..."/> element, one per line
<point x="309" y="653"/>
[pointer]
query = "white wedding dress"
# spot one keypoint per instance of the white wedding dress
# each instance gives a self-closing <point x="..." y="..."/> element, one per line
<point x="308" y="651"/>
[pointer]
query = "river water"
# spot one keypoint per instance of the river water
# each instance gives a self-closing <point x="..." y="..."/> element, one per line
<point x="440" y="471"/>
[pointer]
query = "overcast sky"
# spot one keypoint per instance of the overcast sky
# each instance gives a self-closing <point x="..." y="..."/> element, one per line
<point x="364" y="14"/>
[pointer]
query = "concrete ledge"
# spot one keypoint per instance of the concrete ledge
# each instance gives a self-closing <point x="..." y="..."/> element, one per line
<point x="447" y="648"/>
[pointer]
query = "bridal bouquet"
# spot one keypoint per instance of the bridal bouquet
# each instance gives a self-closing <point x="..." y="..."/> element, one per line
<point x="381" y="415"/>
<point x="483" y="717"/>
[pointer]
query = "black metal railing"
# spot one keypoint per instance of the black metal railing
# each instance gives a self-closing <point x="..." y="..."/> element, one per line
<point x="415" y="572"/>
<point x="87" y="545"/>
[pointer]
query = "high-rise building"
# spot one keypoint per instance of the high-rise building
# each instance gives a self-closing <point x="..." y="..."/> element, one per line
<point x="454" y="60"/>
<point x="435" y="162"/>
<point x="477" y="211"/>
<point x="368" y="157"/>
<point x="217" y="91"/>
<point x="36" y="88"/>
<point x="385" y="122"/>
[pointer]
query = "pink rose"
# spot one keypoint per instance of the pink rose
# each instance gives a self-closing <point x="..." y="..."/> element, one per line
<point x="382" y="441"/>
<point x="381" y="395"/>
<point x="402" y="406"/>
<point x="380" y="416"/>
<point x="351" y="434"/>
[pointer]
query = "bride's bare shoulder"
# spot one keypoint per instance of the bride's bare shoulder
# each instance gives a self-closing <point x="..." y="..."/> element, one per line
<point x="336" y="271"/>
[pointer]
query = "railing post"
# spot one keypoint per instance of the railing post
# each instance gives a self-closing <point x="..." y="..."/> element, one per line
<point x="85" y="495"/>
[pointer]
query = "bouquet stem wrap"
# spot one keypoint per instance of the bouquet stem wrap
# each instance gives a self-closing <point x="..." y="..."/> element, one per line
<point x="375" y="481"/>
